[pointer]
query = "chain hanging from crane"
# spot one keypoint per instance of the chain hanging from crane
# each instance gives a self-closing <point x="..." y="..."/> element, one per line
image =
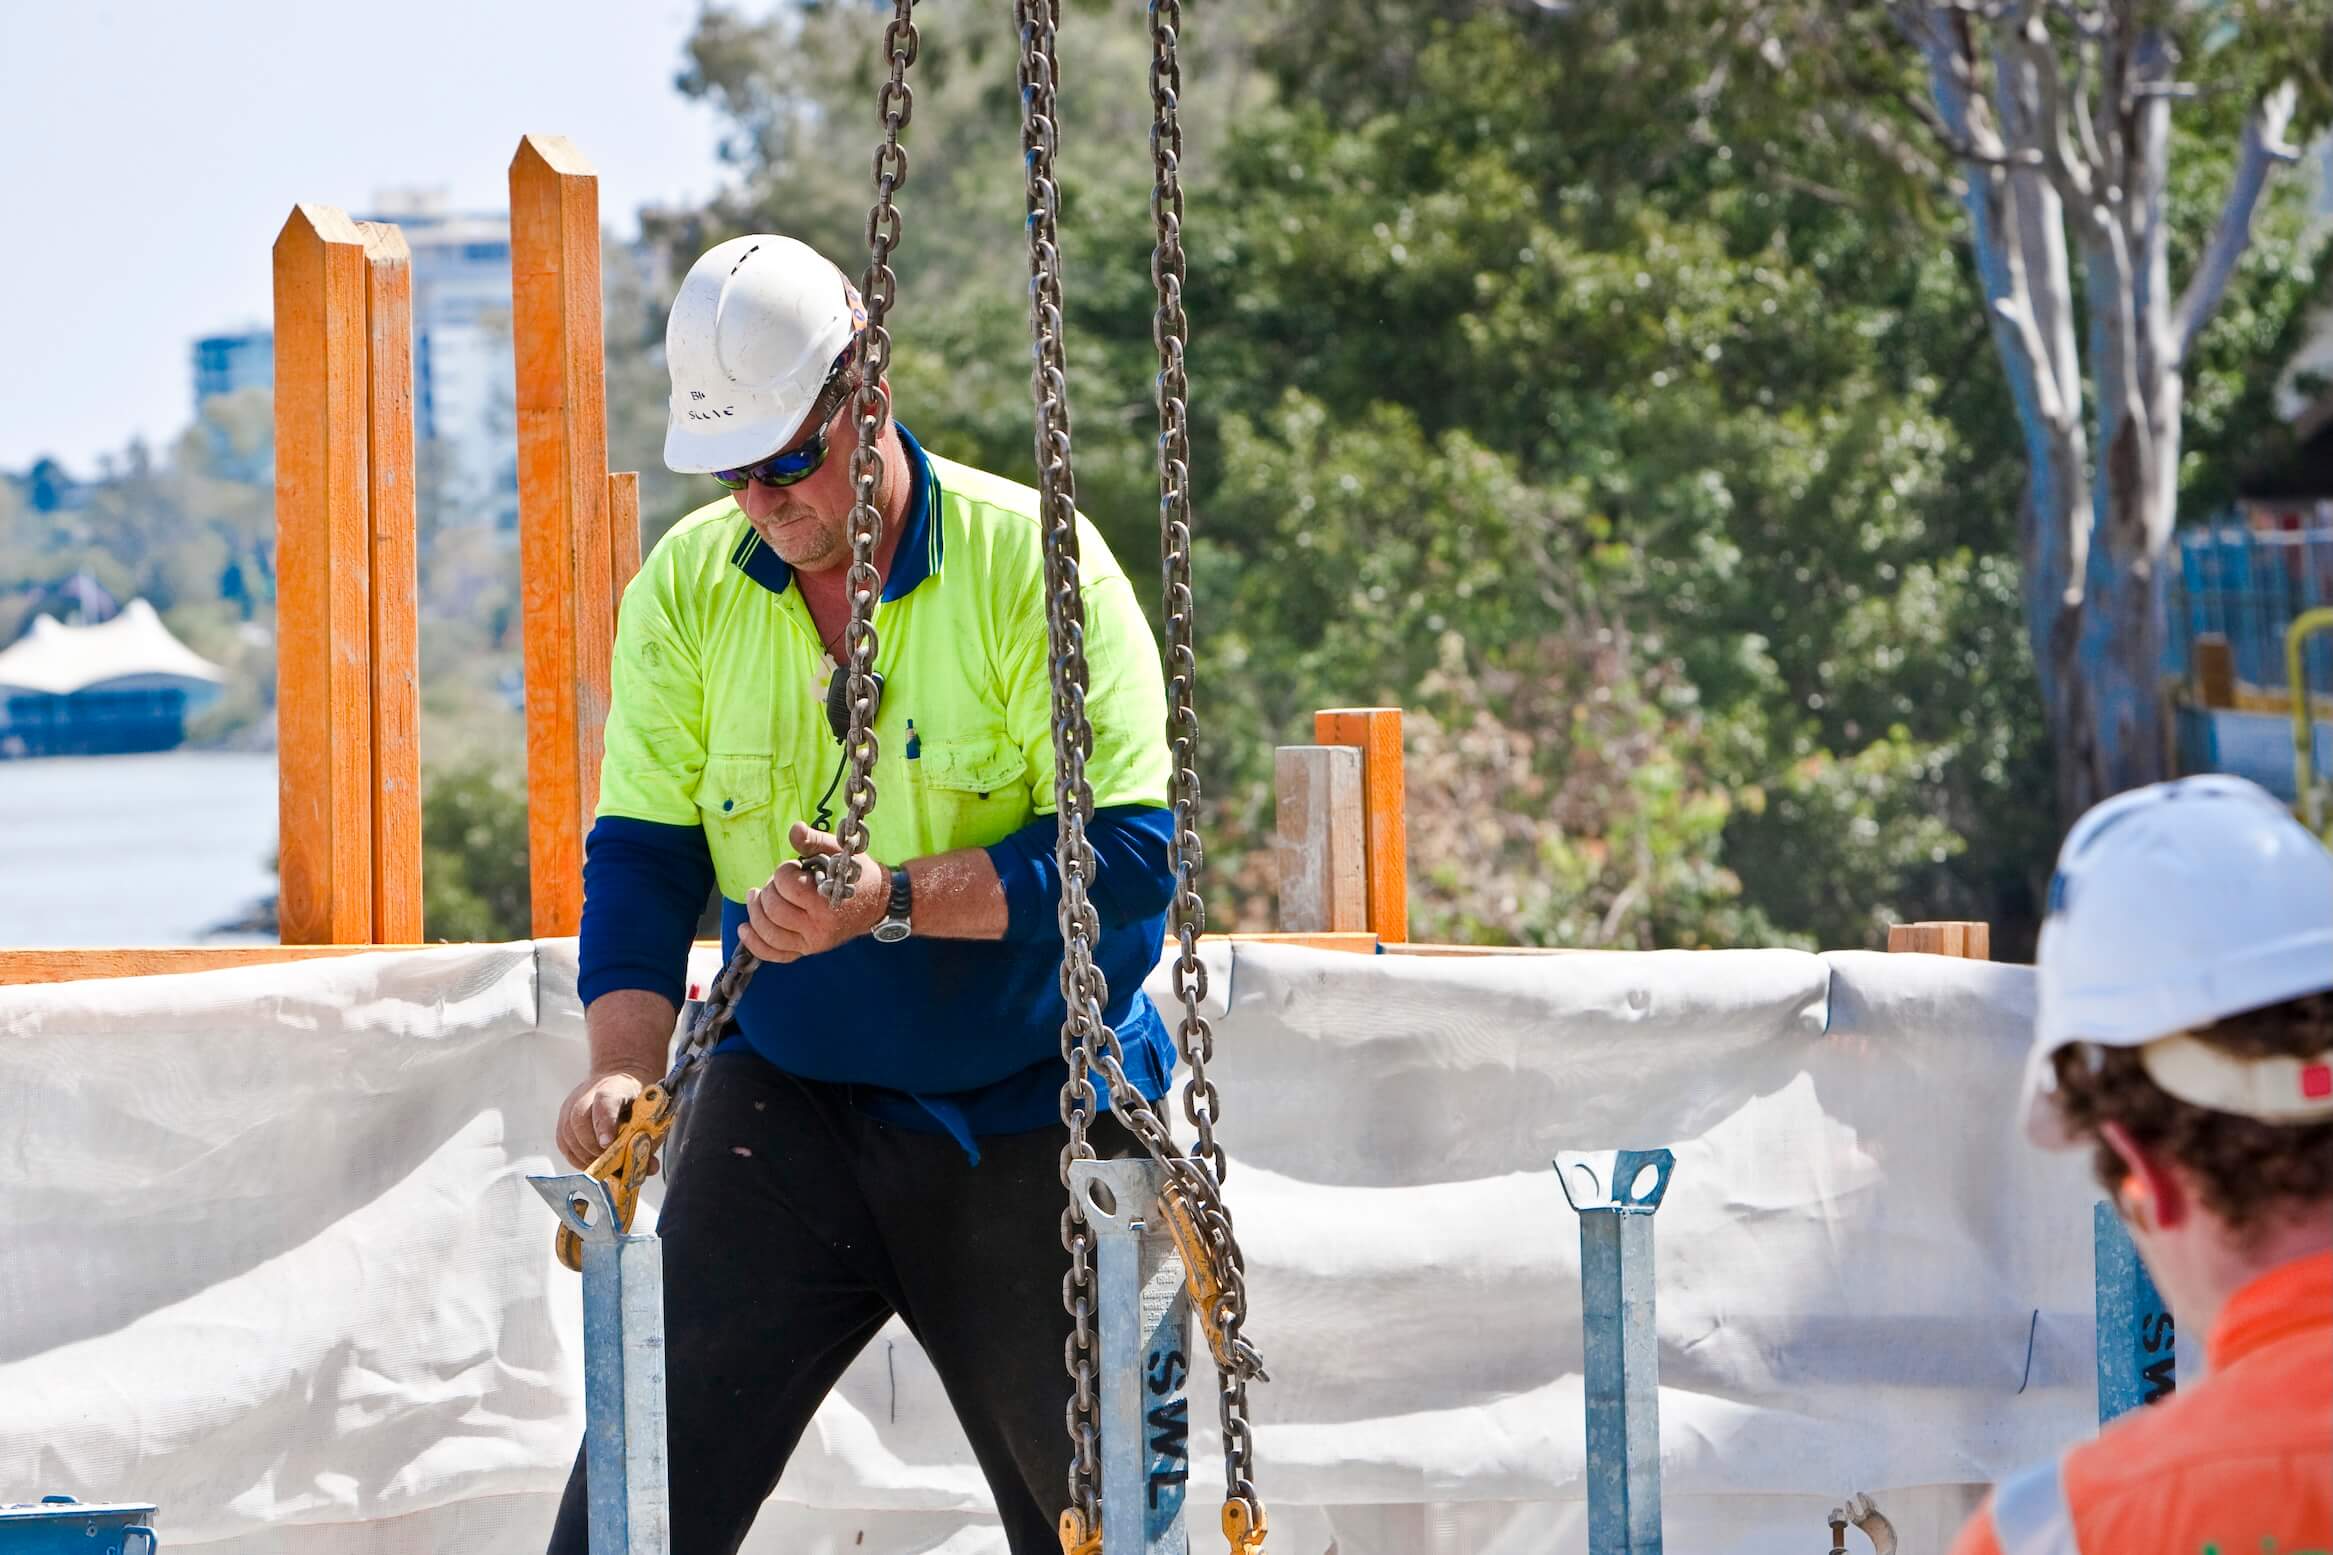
<point x="871" y="411"/>
<point x="626" y="1162"/>
<point x="1196" y="1212"/>
<point x="1222" y="1298"/>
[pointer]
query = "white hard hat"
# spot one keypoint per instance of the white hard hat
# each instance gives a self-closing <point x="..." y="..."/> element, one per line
<point x="752" y="338"/>
<point x="2174" y="906"/>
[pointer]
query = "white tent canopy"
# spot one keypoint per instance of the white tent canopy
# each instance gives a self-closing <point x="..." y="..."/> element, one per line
<point x="132" y="652"/>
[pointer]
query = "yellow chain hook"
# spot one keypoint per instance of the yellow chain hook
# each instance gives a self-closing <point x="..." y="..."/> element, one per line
<point x="1243" y="1525"/>
<point x="1199" y="1275"/>
<point x="1076" y="1537"/>
<point x="625" y="1164"/>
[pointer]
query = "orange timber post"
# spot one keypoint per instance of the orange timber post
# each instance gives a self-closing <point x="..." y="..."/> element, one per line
<point x="1385" y="833"/>
<point x="395" y="735"/>
<point x="323" y="594"/>
<point x="567" y="555"/>
<point x="1969" y="941"/>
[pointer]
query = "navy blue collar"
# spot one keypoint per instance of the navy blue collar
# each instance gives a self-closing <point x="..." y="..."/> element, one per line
<point x="917" y="558"/>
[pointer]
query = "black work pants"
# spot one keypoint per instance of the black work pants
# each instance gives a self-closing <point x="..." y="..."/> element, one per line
<point x="794" y="1226"/>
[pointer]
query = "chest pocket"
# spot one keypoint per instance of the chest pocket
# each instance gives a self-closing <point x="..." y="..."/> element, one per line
<point x="972" y="790"/>
<point x="744" y="828"/>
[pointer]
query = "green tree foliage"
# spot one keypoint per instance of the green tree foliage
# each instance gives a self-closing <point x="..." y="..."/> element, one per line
<point x="474" y="852"/>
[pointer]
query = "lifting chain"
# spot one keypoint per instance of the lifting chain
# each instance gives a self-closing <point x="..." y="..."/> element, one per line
<point x="1218" y="1267"/>
<point x="871" y="410"/>
<point x="1081" y="1523"/>
<point x="624" y="1165"/>
<point x="1197" y="1215"/>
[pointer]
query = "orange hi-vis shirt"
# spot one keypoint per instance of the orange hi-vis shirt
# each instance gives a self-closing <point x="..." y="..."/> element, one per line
<point x="2240" y="1464"/>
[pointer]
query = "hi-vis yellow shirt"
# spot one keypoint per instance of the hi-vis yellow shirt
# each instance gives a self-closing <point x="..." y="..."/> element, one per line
<point x="718" y="723"/>
<point x="719" y="710"/>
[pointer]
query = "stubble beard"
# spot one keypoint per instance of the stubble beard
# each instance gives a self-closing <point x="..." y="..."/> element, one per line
<point x="804" y="538"/>
<point x="808" y="539"/>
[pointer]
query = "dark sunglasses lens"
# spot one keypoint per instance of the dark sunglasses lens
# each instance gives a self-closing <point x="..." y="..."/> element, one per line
<point x="778" y="469"/>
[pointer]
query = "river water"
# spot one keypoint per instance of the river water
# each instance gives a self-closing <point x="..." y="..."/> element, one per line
<point x="134" y="850"/>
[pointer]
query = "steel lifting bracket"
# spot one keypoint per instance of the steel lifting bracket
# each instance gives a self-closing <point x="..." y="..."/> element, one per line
<point x="1143" y="1309"/>
<point x="1615" y="1193"/>
<point x="623" y="1368"/>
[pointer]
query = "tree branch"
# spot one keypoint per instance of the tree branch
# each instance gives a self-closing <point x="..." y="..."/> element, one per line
<point x="1972" y="142"/>
<point x="2264" y="147"/>
<point x="2040" y="236"/>
<point x="1947" y="44"/>
<point x="2069" y="169"/>
<point x="2085" y="124"/>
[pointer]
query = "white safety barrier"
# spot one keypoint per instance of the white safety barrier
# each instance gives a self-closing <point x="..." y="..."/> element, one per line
<point x="267" y="1255"/>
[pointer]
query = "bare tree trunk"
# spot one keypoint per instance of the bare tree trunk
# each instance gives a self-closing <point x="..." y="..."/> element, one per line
<point x="2053" y="134"/>
<point x="2113" y="735"/>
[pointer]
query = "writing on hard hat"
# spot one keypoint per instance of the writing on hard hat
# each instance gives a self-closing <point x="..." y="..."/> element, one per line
<point x="2175" y="906"/>
<point x="753" y="335"/>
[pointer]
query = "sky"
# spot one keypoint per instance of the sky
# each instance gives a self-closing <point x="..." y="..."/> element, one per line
<point x="151" y="149"/>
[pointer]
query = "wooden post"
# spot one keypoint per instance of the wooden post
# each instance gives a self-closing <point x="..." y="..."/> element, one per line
<point x="623" y="538"/>
<point x="564" y="545"/>
<point x="324" y="719"/>
<point x="396" y="632"/>
<point x="1969" y="941"/>
<point x="1385" y="834"/>
<point x="2213" y="664"/>
<point x="1321" y="840"/>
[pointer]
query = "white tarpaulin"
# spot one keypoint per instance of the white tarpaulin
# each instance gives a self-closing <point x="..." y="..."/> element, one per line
<point x="267" y="1256"/>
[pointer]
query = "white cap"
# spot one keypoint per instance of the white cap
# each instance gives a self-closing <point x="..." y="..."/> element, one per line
<point x="752" y="338"/>
<point x="2174" y="906"/>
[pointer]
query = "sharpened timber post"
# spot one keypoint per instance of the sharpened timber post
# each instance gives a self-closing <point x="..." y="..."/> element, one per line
<point x="1615" y="1193"/>
<point x="1144" y="1314"/>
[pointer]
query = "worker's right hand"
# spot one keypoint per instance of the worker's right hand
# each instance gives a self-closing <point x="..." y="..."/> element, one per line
<point x="587" y="1120"/>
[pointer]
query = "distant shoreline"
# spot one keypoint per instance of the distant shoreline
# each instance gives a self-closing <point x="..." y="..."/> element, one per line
<point x="153" y="848"/>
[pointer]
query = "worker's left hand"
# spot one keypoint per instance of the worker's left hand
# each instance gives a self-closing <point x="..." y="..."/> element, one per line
<point x="788" y="918"/>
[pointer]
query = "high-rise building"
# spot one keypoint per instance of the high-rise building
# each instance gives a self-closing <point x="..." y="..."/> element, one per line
<point x="464" y="413"/>
<point x="244" y="359"/>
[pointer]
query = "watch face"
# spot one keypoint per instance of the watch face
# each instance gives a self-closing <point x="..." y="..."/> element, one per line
<point x="890" y="932"/>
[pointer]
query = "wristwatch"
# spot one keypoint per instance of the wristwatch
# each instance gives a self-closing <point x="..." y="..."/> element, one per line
<point x="895" y="925"/>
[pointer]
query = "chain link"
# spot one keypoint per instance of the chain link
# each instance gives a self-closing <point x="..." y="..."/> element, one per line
<point x="1089" y="1048"/>
<point x="897" y="104"/>
<point x="1202" y="1103"/>
<point x="871" y="412"/>
<point x="1035" y="21"/>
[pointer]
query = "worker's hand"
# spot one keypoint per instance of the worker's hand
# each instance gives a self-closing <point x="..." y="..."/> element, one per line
<point x="788" y="918"/>
<point x="587" y="1120"/>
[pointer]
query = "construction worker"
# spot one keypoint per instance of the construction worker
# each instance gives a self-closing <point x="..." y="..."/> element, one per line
<point x="882" y="1133"/>
<point x="2185" y="1035"/>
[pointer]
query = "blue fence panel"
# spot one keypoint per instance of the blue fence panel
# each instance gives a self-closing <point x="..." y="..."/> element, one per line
<point x="2249" y="586"/>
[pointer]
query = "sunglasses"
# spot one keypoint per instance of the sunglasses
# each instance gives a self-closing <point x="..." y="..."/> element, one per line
<point x="796" y="464"/>
<point x="779" y="469"/>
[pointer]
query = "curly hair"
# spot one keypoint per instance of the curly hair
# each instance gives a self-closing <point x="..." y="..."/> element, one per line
<point x="2246" y="1170"/>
